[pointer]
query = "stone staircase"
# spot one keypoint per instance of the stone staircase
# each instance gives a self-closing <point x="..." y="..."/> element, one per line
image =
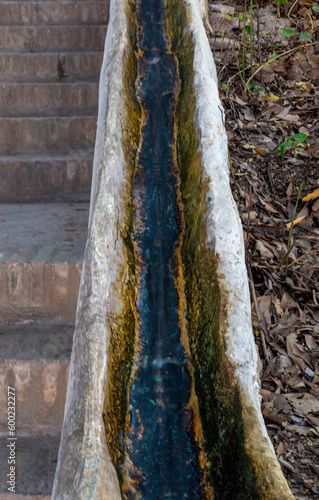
<point x="50" y="57"/>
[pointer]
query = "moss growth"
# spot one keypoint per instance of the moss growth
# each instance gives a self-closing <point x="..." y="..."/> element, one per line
<point x="121" y="348"/>
<point x="231" y="472"/>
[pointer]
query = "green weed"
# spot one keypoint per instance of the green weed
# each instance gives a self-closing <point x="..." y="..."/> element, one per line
<point x="290" y="142"/>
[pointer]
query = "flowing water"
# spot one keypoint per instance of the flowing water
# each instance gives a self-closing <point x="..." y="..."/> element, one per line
<point x="162" y="459"/>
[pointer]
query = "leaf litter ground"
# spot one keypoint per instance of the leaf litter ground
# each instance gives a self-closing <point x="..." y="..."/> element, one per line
<point x="280" y="108"/>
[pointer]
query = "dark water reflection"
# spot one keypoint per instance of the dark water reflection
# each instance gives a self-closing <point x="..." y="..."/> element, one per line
<point x="162" y="454"/>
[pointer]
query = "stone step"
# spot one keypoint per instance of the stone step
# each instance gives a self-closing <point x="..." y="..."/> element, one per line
<point x="34" y="363"/>
<point x="44" y="66"/>
<point x="41" y="253"/>
<point x="55" y="134"/>
<point x="48" y="99"/>
<point x="36" y="459"/>
<point x="43" y="38"/>
<point x="49" y="13"/>
<point x="35" y="358"/>
<point x="30" y="178"/>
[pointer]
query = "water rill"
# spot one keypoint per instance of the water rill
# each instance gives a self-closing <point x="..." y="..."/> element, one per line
<point x="163" y="397"/>
<point x="162" y="455"/>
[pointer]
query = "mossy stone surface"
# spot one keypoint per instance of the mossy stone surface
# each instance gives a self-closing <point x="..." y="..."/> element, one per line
<point x="231" y="471"/>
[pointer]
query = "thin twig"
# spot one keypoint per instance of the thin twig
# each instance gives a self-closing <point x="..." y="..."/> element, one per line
<point x="312" y="28"/>
<point x="269" y="62"/>
<point x="258" y="36"/>
<point x="290" y="18"/>
<point x="291" y="8"/>
<point x="305" y="276"/>
<point x="286" y="465"/>
<point x="253" y="293"/>
<point x="285" y="256"/>
<point x="244" y="41"/>
<point x="231" y="168"/>
<point x="272" y="60"/>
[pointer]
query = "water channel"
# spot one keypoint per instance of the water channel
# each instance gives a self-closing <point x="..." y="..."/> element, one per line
<point x="163" y="455"/>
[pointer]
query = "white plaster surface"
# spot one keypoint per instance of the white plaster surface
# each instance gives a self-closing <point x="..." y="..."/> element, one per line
<point x="84" y="469"/>
<point x="225" y="234"/>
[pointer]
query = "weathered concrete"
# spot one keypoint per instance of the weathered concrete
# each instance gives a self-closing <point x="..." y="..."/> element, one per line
<point x="48" y="99"/>
<point x="39" y="290"/>
<point x="35" y="362"/>
<point x="41" y="260"/>
<point x="25" y="12"/>
<point x="35" y="38"/>
<point x="43" y="232"/>
<point x="40" y="388"/>
<point x="55" y="134"/>
<point x="27" y="178"/>
<point x="37" y="341"/>
<point x="50" y="59"/>
<point x="43" y="67"/>
<point x="35" y="462"/>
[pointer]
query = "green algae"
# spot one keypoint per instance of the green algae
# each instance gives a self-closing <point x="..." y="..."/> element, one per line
<point x="230" y="468"/>
<point x="121" y="348"/>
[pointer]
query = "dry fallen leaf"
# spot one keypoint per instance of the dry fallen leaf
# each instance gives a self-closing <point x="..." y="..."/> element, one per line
<point x="268" y="206"/>
<point x="287" y="302"/>
<point x="289" y="118"/>
<point x="280" y="448"/>
<point x="260" y="152"/>
<point x="279" y="311"/>
<point x="264" y="304"/>
<point x="313" y="420"/>
<point x="271" y="97"/>
<point x="315" y="206"/>
<point x="301" y="430"/>
<point x="240" y="101"/>
<point x="311" y="196"/>
<point x="264" y="252"/>
<point x="311" y="343"/>
<point x="289" y="190"/>
<point x="296" y="221"/>
<point x="307" y="404"/>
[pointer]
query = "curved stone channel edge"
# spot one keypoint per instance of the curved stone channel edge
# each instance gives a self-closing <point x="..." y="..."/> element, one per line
<point x="85" y="469"/>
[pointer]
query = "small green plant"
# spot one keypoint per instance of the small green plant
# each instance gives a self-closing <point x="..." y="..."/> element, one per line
<point x="272" y="46"/>
<point x="302" y="36"/>
<point x="251" y="37"/>
<point x="228" y="16"/>
<point x="272" y="56"/>
<point x="315" y="8"/>
<point x="221" y="51"/>
<point x="244" y="42"/>
<point x="248" y="28"/>
<point x="282" y="2"/>
<point x="256" y="88"/>
<point x="292" y="223"/>
<point x="290" y="142"/>
<point x="305" y="36"/>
